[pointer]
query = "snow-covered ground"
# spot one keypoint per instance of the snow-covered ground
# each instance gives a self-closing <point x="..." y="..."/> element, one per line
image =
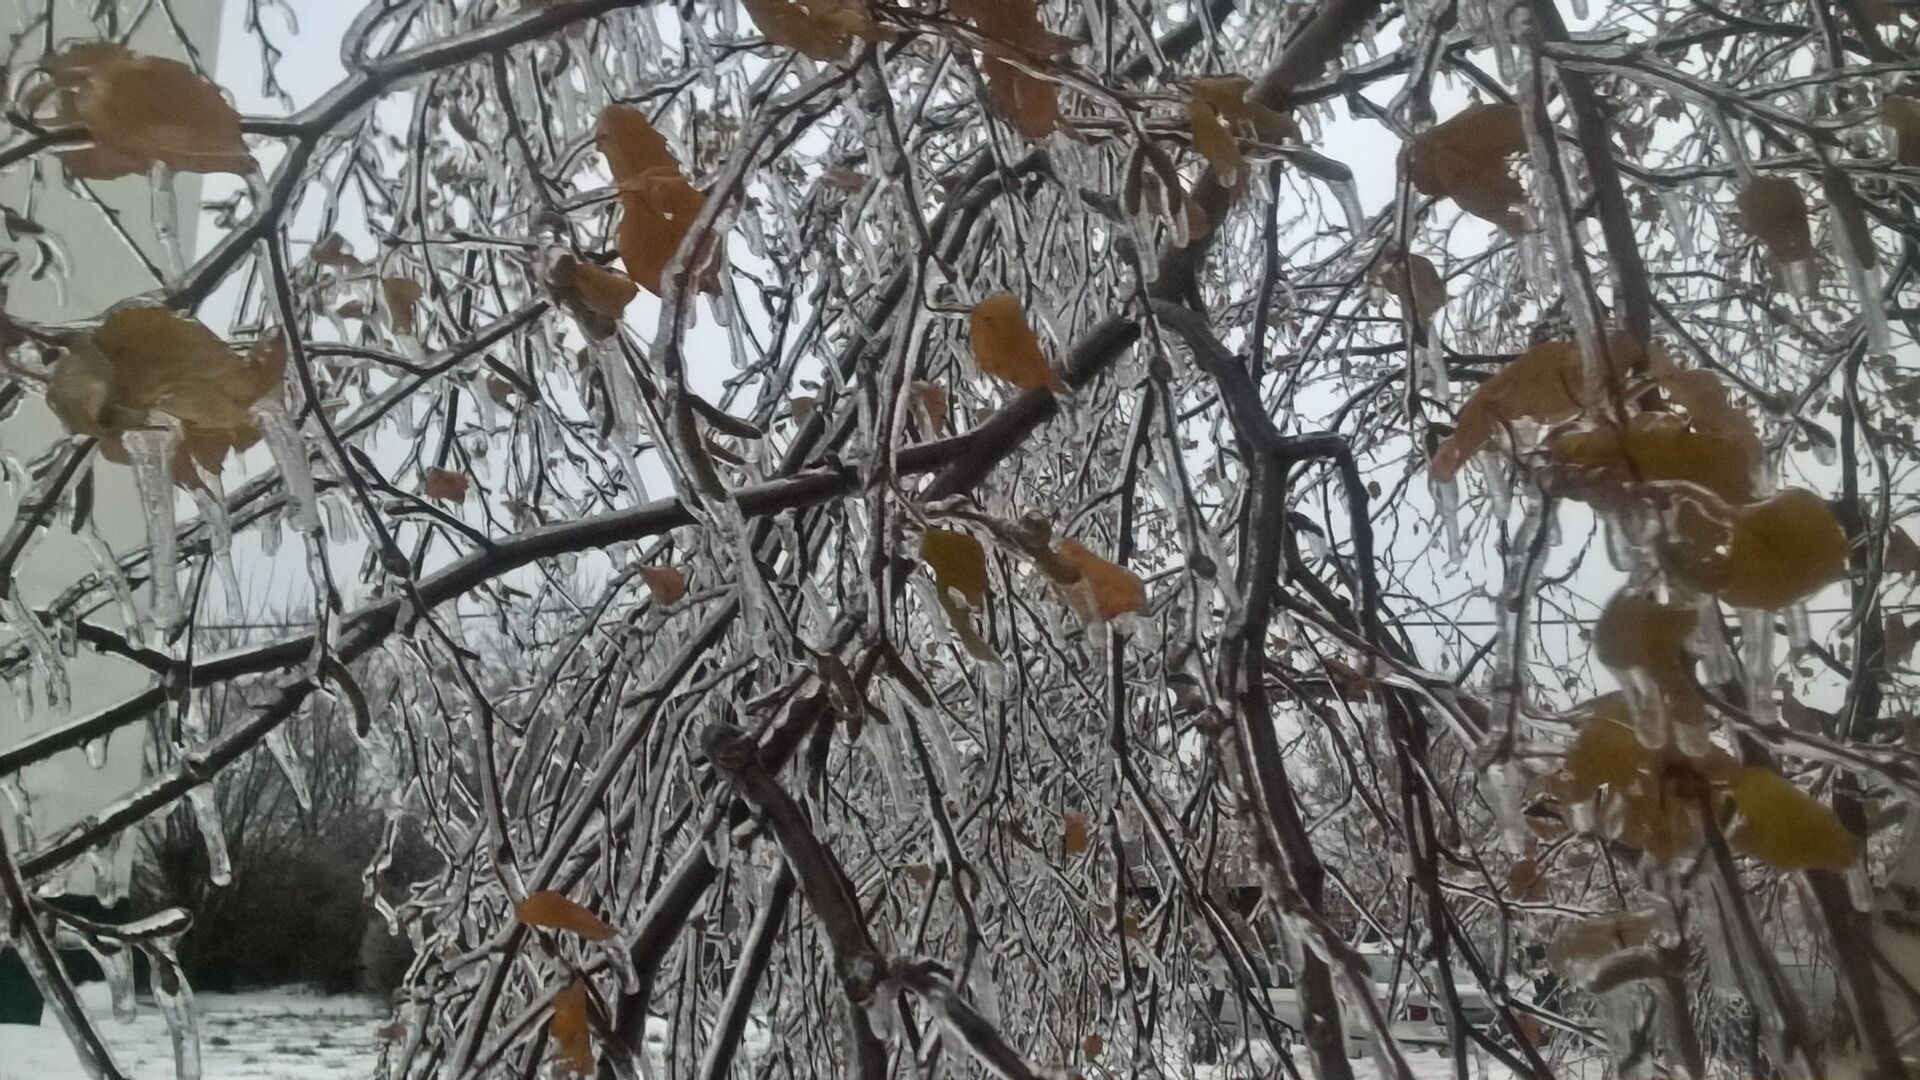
<point x="262" y="1035"/>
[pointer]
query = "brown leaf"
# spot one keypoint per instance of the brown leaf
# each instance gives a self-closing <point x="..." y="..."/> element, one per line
<point x="1543" y="384"/>
<point x="445" y="485"/>
<point x="556" y="912"/>
<point x="1014" y="25"/>
<point x="1227" y="96"/>
<point x="1076" y="834"/>
<point x="631" y="145"/>
<point x="1903" y="555"/>
<point x="1640" y="634"/>
<point x="572" y="1029"/>
<point x="605" y="291"/>
<point x="1775" y="211"/>
<point x="332" y="250"/>
<point x="820" y="29"/>
<point x="1029" y="103"/>
<point x="933" y="405"/>
<point x="1787" y="828"/>
<point x="1901" y="115"/>
<point x="959" y="564"/>
<point x="1655" y="447"/>
<point x="1898" y="641"/>
<point x="667" y="583"/>
<point x="657" y="203"/>
<point x="842" y="179"/>
<point x="142" y="111"/>
<point x="1215" y="143"/>
<point x="1116" y="590"/>
<point x="402" y="296"/>
<point x="1006" y="347"/>
<point x="1428" y="293"/>
<point x="1466" y="159"/>
<point x="1093" y="1045"/>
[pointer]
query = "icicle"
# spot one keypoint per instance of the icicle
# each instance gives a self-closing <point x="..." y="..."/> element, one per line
<point x="22" y="806"/>
<point x="1799" y="630"/>
<point x="1673" y="207"/>
<point x="1756" y="655"/>
<point x="1446" y="494"/>
<point x="1348" y="193"/>
<point x="175" y="998"/>
<point x="1579" y="8"/>
<point x="1513" y="615"/>
<point x="166" y="222"/>
<point x="109" y="884"/>
<point x="1493" y="472"/>
<point x="1869" y="290"/>
<point x="213" y="833"/>
<point x="43" y="654"/>
<point x="289" y="450"/>
<point x="213" y="511"/>
<point x="108" y="569"/>
<point x="151" y="452"/>
<point x="290" y="767"/>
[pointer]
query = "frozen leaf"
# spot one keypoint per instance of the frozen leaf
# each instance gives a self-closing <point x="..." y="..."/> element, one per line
<point x="556" y="912"/>
<point x="1428" y="293"/>
<point x="657" y="203"/>
<point x="1076" y="835"/>
<point x="1588" y="941"/>
<point x="667" y="583"/>
<point x="1775" y="211"/>
<point x="1526" y="881"/>
<point x="1786" y="828"/>
<point x="1013" y="26"/>
<point x="332" y="250"/>
<point x="1116" y="590"/>
<point x="959" y="564"/>
<point x="142" y="111"/>
<point x="1654" y="447"/>
<point x="1903" y="555"/>
<point x="605" y="291"/>
<point x="1782" y="550"/>
<point x="932" y="399"/>
<point x="1006" y="347"/>
<point x="1898" y="639"/>
<point x="843" y="179"/>
<point x="1543" y="385"/>
<point x="1031" y="104"/>
<point x="1226" y="95"/>
<point x="402" y="296"/>
<point x="167" y="361"/>
<point x="821" y="29"/>
<point x="81" y="390"/>
<point x="1215" y="143"/>
<point x="1466" y="159"/>
<point x="1638" y="633"/>
<point x="1093" y="1045"/>
<point x="572" y="1029"/>
<point x="631" y="144"/>
<point x="1901" y="115"/>
<point x="1606" y="754"/>
<point x="445" y="485"/>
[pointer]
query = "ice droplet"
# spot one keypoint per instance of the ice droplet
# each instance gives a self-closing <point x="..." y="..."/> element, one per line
<point x="96" y="751"/>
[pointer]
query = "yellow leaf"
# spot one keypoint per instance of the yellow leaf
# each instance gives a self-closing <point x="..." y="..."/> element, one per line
<point x="1607" y="753"/>
<point x="1655" y="447"/>
<point x="572" y="1029"/>
<point x="667" y="583"/>
<point x="1901" y="115"/>
<point x="1782" y="550"/>
<point x="556" y="912"/>
<point x="1116" y="590"/>
<point x="1787" y="828"/>
<point x="959" y="564"/>
<point x="1638" y="633"/>
<point x="1215" y="143"/>
<point x="403" y="297"/>
<point x="1076" y="833"/>
<point x="142" y="111"/>
<point x="444" y="485"/>
<point x="1005" y="346"/>
<point x="169" y="362"/>
<point x="1031" y="104"/>
<point x="1466" y="159"/>
<point x="1775" y="211"/>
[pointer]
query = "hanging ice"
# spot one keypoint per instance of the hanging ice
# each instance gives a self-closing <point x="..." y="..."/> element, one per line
<point x="175" y="998"/>
<point x="41" y="651"/>
<point x="166" y="222"/>
<point x="290" y="767"/>
<point x="213" y="833"/>
<point x="151" y="452"/>
<point x="289" y="450"/>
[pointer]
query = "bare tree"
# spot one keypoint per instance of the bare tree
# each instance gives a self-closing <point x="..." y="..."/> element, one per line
<point x="1016" y="522"/>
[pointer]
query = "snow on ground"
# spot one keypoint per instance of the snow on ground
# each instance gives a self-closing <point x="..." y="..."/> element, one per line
<point x="262" y="1035"/>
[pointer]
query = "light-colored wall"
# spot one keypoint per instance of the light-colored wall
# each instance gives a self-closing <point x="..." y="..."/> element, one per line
<point x="104" y="270"/>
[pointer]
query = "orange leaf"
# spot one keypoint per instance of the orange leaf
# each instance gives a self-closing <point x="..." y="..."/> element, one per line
<point x="1116" y="590"/>
<point x="603" y="290"/>
<point x="1775" y="212"/>
<point x="1006" y="347"/>
<point x="1465" y="159"/>
<point x="1787" y="828"/>
<point x="445" y="485"/>
<point x="1783" y="550"/>
<point x="572" y="1029"/>
<point x="143" y="111"/>
<point x="959" y="564"/>
<point x="657" y="203"/>
<point x="1076" y="835"/>
<point x="1029" y="103"/>
<point x="667" y="583"/>
<point x="556" y="912"/>
<point x="402" y="296"/>
<point x="631" y="144"/>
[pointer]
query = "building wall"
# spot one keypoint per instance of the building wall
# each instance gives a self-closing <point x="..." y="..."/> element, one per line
<point x="103" y="271"/>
